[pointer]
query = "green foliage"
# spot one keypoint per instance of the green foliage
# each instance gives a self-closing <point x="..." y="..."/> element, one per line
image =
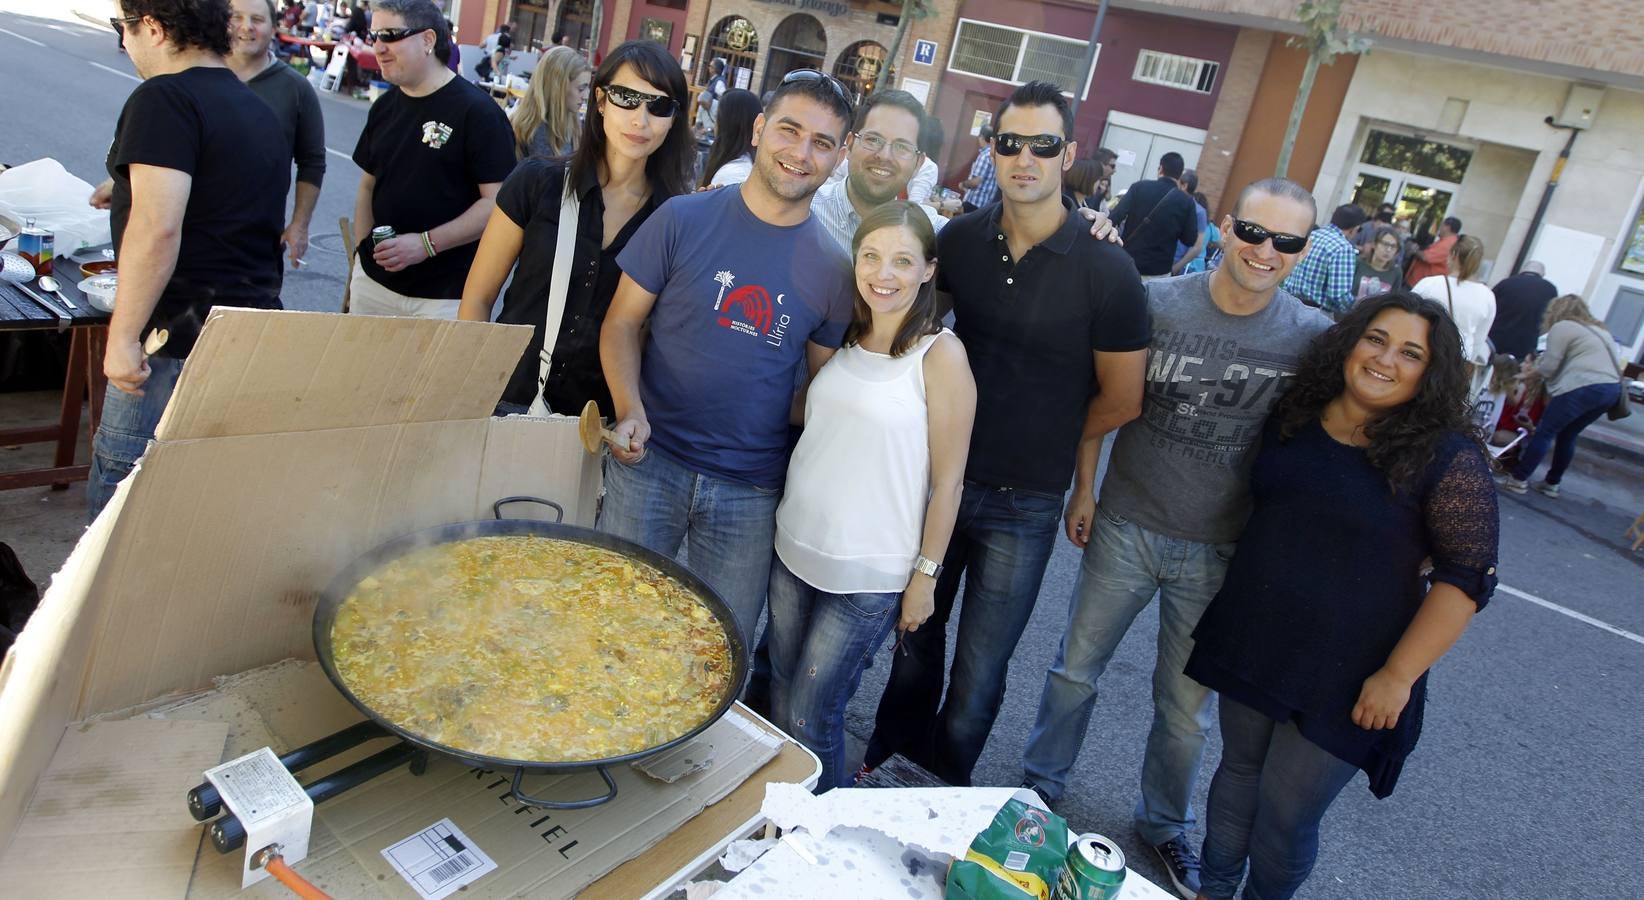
<point x="1325" y="39"/>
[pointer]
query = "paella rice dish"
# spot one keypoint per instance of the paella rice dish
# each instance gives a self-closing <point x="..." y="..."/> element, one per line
<point x="529" y="648"/>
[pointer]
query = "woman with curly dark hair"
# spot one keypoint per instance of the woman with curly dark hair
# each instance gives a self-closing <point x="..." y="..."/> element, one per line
<point x="1320" y="645"/>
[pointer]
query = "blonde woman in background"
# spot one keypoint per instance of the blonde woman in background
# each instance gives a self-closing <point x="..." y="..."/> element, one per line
<point x="1583" y="377"/>
<point x="1470" y="303"/>
<point x="546" y="122"/>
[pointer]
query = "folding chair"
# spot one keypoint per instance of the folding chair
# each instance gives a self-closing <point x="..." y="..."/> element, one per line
<point x="334" y="69"/>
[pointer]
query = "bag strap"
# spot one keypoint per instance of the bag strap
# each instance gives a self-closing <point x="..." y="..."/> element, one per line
<point x="1149" y="217"/>
<point x="1449" y="298"/>
<point x="559" y="284"/>
<point x="1620" y="371"/>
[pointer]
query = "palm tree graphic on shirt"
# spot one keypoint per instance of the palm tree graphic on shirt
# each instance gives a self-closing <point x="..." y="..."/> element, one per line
<point x="725" y="279"/>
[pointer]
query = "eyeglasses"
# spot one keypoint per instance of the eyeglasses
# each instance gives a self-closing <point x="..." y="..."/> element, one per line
<point x="660" y="105"/>
<point x="392" y="35"/>
<point x="1251" y="233"/>
<point x="799" y="75"/>
<point x="121" y="22"/>
<point x="873" y="143"/>
<point x="1044" y="146"/>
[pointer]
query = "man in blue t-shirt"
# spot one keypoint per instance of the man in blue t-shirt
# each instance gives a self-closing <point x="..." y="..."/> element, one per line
<point x="740" y="288"/>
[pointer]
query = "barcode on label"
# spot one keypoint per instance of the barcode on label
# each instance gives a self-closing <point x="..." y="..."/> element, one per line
<point x="452" y="867"/>
<point x="1016" y="861"/>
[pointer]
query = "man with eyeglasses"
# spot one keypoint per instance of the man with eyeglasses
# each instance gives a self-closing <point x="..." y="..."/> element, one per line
<point x="1055" y="324"/>
<point x="741" y="289"/>
<point x="1173" y="502"/>
<point x="198" y="172"/>
<point x="433" y="153"/>
<point x="1154" y="216"/>
<point x="884" y="154"/>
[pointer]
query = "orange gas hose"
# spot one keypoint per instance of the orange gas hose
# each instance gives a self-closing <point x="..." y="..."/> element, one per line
<point x="296" y="883"/>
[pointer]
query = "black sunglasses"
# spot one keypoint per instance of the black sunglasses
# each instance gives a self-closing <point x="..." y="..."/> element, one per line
<point x="798" y="75"/>
<point x="121" y="23"/>
<point x="392" y="35"/>
<point x="1044" y="146"/>
<point x="1251" y="233"/>
<point x="660" y="105"/>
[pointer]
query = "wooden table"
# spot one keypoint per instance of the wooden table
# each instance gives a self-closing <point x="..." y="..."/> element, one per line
<point x="88" y="335"/>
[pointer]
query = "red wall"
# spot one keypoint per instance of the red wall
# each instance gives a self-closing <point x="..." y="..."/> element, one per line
<point x="1124" y="35"/>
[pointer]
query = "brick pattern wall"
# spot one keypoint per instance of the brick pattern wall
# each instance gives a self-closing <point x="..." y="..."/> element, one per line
<point x="1602" y="35"/>
<point x="1240" y="79"/>
<point x="938" y="28"/>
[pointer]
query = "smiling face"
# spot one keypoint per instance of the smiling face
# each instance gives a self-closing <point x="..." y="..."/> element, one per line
<point x="633" y="133"/>
<point x="250" y="28"/>
<point x="1383" y="370"/>
<point x="1259" y="268"/>
<point x="877" y="176"/>
<point x="890" y="268"/>
<point x="797" y="145"/>
<point x="406" y="61"/>
<point x="1025" y="178"/>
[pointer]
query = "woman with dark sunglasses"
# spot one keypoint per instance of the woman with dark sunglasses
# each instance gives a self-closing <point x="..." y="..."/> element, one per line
<point x="1321" y="657"/>
<point x="634" y="153"/>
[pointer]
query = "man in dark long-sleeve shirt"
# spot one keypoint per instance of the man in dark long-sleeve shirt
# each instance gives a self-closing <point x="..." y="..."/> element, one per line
<point x="1521" y="300"/>
<point x="1153" y="215"/>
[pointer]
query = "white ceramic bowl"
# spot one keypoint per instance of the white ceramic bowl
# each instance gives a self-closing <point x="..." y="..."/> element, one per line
<point x="99" y="289"/>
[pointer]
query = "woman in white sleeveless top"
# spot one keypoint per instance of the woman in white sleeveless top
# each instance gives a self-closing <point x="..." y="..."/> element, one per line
<point x="873" y="487"/>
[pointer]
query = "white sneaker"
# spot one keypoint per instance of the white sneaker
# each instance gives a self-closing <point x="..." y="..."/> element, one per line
<point x="1550" y="490"/>
<point x="1514" y="485"/>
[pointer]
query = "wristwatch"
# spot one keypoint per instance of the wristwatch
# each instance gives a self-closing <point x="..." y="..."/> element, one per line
<point x="927" y="566"/>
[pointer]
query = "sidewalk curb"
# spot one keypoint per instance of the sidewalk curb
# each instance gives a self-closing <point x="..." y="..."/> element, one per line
<point x="1630" y="452"/>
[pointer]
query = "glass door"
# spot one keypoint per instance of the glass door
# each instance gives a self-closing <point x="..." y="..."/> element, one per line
<point x="1419" y="202"/>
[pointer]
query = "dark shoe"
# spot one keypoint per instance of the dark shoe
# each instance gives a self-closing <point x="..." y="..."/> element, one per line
<point x="1182" y="863"/>
<point x="1038" y="791"/>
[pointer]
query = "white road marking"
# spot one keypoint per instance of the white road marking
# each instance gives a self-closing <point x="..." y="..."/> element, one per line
<point x="115" y="71"/>
<point x="1579" y="617"/>
<point x="22" y="38"/>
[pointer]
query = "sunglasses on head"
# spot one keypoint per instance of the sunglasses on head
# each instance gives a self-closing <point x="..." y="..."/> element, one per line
<point x="660" y="105"/>
<point x="1044" y="146"/>
<point x="799" y="75"/>
<point x="392" y="35"/>
<point x="1251" y="233"/>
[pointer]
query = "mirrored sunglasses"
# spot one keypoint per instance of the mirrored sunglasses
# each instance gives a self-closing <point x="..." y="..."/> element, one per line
<point x="1044" y="146"/>
<point x="392" y="35"/>
<point x="660" y="105"/>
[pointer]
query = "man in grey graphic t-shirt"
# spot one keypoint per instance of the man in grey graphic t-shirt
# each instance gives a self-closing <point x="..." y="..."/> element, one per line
<point x="1174" y="500"/>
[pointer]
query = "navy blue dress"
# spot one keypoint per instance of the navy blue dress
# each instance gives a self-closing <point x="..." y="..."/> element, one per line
<point x="1327" y="577"/>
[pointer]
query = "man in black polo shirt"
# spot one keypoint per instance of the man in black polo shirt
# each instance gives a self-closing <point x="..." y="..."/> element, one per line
<point x="1521" y="300"/>
<point x="1154" y="215"/>
<point x="1055" y="322"/>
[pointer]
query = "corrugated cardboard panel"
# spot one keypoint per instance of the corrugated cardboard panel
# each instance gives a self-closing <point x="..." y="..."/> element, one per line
<point x="108" y="818"/>
<point x="262" y="372"/>
<point x="522" y="457"/>
<point x="224" y="544"/>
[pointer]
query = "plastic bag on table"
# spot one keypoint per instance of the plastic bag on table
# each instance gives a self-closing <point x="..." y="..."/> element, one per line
<point x="58" y="201"/>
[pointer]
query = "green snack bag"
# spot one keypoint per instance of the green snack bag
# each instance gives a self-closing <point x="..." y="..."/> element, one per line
<point x="1017" y="858"/>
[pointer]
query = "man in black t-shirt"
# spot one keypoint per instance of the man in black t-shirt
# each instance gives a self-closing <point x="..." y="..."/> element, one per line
<point x="1153" y="216"/>
<point x="199" y="170"/>
<point x="434" y="151"/>
<point x="1055" y="323"/>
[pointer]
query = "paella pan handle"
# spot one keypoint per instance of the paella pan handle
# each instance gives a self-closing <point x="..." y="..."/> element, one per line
<point x="559" y="511"/>
<point x="528" y="800"/>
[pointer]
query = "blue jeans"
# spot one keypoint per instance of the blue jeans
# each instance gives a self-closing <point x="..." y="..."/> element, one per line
<point x="1001" y="542"/>
<point x="730" y="526"/>
<point x="1266" y="802"/>
<point x="1123" y="566"/>
<point x="125" y="429"/>
<point x="819" y="644"/>
<point x="1563" y="419"/>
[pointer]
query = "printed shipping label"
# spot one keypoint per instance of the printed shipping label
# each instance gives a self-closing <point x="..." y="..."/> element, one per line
<point x="438" y="860"/>
<point x="256" y="787"/>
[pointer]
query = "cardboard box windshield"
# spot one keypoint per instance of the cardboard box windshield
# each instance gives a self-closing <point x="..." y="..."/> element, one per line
<point x="295" y="443"/>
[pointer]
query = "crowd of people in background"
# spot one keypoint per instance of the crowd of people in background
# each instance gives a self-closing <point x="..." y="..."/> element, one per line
<point x="920" y="375"/>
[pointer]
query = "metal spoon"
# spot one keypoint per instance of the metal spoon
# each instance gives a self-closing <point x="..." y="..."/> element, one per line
<point x="49" y="283"/>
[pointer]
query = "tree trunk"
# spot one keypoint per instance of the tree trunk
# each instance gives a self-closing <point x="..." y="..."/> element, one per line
<point x="896" y="45"/>
<point x="1296" y="110"/>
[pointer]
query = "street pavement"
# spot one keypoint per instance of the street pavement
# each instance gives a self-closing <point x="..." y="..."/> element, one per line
<point x="1526" y="782"/>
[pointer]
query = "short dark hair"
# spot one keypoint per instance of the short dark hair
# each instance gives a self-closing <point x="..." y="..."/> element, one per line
<point x="1452" y="223"/>
<point x="1277" y="187"/>
<point x="1105" y="156"/>
<point x="900" y="99"/>
<point x="1384" y="212"/>
<point x="418" y="15"/>
<point x="1190" y="180"/>
<point x="1171" y="165"/>
<point x="1348" y="216"/>
<point x="986" y="133"/>
<point x="825" y="90"/>
<point x="557" y="37"/>
<point x="188" y="24"/>
<point x="1039" y="93"/>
